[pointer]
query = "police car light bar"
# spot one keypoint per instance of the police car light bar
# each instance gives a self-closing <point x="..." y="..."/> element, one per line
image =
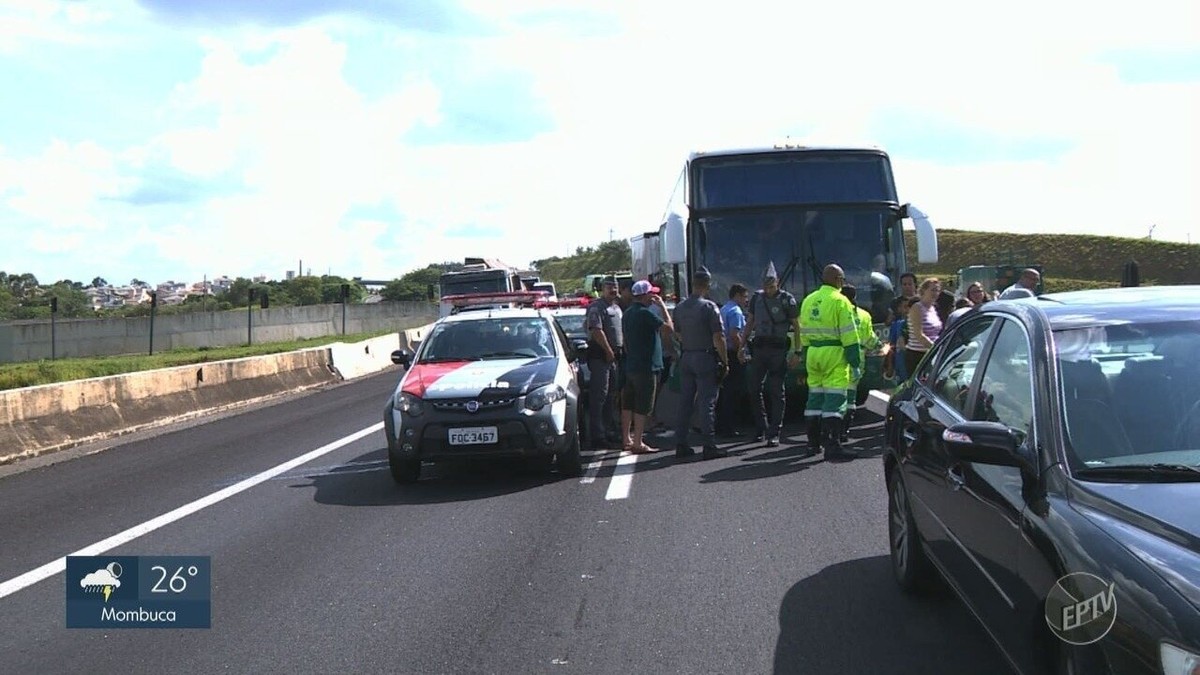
<point x="561" y="304"/>
<point x="484" y="299"/>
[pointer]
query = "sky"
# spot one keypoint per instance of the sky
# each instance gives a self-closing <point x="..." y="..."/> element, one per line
<point x="176" y="139"/>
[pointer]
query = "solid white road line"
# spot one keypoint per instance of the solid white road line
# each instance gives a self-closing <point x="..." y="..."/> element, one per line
<point x="592" y="468"/>
<point x="622" y="478"/>
<point x="51" y="568"/>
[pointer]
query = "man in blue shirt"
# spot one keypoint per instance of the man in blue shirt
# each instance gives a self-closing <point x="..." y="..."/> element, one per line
<point x="733" y="389"/>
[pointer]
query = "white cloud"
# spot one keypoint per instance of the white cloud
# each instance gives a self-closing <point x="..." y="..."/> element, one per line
<point x="273" y="113"/>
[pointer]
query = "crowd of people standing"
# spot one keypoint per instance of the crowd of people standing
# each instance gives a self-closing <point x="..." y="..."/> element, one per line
<point x="739" y="352"/>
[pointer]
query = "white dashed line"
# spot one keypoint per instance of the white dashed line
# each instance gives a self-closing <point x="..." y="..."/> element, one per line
<point x="622" y="478"/>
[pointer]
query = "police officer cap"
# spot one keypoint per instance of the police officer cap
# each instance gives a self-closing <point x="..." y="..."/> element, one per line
<point x="609" y="281"/>
<point x="702" y="273"/>
<point x="770" y="273"/>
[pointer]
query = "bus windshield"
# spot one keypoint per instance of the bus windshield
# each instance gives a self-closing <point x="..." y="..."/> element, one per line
<point x="494" y="281"/>
<point x="736" y="248"/>
<point x="804" y="177"/>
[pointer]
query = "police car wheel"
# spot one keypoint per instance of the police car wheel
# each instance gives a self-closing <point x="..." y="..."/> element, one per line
<point x="404" y="471"/>
<point x="912" y="569"/>
<point x="570" y="460"/>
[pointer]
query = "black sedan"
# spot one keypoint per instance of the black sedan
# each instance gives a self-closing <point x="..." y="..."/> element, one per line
<point x="1044" y="461"/>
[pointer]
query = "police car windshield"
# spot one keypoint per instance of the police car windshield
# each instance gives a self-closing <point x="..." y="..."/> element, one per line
<point x="800" y="242"/>
<point x="489" y="338"/>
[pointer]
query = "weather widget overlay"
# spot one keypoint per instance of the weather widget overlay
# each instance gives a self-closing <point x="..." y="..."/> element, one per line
<point x="139" y="592"/>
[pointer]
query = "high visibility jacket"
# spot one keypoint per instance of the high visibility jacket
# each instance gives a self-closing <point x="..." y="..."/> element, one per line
<point x="828" y="319"/>
<point x="866" y="330"/>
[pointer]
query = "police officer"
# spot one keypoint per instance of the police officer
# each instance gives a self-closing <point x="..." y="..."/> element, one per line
<point x="703" y="365"/>
<point x="869" y="342"/>
<point x="605" y="347"/>
<point x="829" y="334"/>
<point x="769" y="316"/>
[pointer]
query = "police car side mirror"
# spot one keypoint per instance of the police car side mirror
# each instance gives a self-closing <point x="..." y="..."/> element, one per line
<point x="580" y="347"/>
<point x="402" y="357"/>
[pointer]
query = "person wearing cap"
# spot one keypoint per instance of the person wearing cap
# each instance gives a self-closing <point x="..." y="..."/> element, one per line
<point x="644" y="331"/>
<point x="869" y="342"/>
<point x="829" y="335"/>
<point x="771" y="313"/>
<point x="605" y="348"/>
<point x="703" y="365"/>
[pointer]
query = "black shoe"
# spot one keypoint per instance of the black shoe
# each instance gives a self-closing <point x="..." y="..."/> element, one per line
<point x="772" y="442"/>
<point x="831" y="432"/>
<point x="682" y="451"/>
<point x="813" y="431"/>
<point x="811" y="451"/>
<point x="713" y="452"/>
<point x="758" y="438"/>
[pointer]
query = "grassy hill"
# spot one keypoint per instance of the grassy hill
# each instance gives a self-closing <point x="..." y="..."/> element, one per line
<point x="1069" y="261"/>
<point x="568" y="273"/>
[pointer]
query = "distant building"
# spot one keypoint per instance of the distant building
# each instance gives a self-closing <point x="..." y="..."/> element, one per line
<point x="291" y="274"/>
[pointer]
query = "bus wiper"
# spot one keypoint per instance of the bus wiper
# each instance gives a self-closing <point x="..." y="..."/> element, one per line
<point x="789" y="270"/>
<point x="1158" y="472"/>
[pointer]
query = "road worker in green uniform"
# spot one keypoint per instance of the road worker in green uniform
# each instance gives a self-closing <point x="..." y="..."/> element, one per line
<point x="869" y="341"/>
<point x="829" y="335"/>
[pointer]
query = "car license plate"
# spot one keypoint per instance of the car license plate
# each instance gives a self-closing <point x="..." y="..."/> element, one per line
<point x="473" y="436"/>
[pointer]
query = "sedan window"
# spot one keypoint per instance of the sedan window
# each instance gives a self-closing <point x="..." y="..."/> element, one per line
<point x="1006" y="391"/>
<point x="958" y="357"/>
<point x="490" y="339"/>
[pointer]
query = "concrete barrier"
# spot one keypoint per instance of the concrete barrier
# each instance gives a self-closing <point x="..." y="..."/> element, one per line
<point x="877" y="402"/>
<point x="46" y="418"/>
<point x="36" y="420"/>
<point x="351" y="360"/>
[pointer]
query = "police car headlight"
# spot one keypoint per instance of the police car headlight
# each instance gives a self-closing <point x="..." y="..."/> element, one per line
<point x="408" y="404"/>
<point x="543" y="396"/>
<point x="1178" y="661"/>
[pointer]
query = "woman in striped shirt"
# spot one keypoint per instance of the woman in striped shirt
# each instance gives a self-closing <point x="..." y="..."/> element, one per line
<point x="924" y="324"/>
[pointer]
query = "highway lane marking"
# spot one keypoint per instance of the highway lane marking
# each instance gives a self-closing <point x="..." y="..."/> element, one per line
<point x="622" y="479"/>
<point x="592" y="468"/>
<point x="54" y="567"/>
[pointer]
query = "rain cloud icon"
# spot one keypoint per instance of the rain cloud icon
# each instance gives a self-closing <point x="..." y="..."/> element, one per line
<point x="103" y="580"/>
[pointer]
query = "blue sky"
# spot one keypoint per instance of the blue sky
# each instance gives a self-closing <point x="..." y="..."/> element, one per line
<point x="171" y="139"/>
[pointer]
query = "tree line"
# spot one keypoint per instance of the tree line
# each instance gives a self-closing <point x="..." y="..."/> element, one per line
<point x="22" y="296"/>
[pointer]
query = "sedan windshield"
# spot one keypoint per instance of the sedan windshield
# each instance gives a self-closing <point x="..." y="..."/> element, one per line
<point x="490" y="338"/>
<point x="1131" y="393"/>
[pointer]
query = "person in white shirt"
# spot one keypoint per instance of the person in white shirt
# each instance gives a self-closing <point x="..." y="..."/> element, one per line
<point x="1024" y="288"/>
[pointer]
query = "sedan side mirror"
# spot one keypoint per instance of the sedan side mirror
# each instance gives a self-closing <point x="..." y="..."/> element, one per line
<point x="581" y="347"/>
<point x="985" y="443"/>
<point x="402" y="357"/>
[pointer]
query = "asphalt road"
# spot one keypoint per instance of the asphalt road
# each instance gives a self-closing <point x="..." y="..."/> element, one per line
<point x="756" y="563"/>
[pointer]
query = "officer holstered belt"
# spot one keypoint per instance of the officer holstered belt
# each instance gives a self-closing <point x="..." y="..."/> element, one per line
<point x="769" y="341"/>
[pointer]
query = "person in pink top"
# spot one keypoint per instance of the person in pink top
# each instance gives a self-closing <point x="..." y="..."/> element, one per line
<point x="924" y="324"/>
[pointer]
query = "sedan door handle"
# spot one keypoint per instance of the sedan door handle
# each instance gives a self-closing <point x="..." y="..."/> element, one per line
<point x="957" y="482"/>
<point x="910" y="434"/>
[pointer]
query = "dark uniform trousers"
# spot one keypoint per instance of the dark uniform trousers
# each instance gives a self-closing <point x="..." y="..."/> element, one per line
<point x="733" y="392"/>
<point x="768" y="363"/>
<point x="602" y="394"/>
<point x="698" y="389"/>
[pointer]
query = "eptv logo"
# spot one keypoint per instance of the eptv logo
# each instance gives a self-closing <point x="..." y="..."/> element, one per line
<point x="1081" y="608"/>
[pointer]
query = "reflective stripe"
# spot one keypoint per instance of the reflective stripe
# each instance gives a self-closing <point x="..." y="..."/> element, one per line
<point x="812" y="412"/>
<point x="832" y="414"/>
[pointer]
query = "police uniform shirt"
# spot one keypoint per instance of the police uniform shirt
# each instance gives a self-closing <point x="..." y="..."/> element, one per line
<point x="773" y="316"/>
<point x="606" y="317"/>
<point x="697" y="319"/>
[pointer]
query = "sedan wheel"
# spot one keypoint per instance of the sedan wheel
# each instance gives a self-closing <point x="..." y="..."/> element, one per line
<point x="911" y="567"/>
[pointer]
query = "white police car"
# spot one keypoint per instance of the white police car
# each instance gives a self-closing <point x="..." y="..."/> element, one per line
<point x="486" y="383"/>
